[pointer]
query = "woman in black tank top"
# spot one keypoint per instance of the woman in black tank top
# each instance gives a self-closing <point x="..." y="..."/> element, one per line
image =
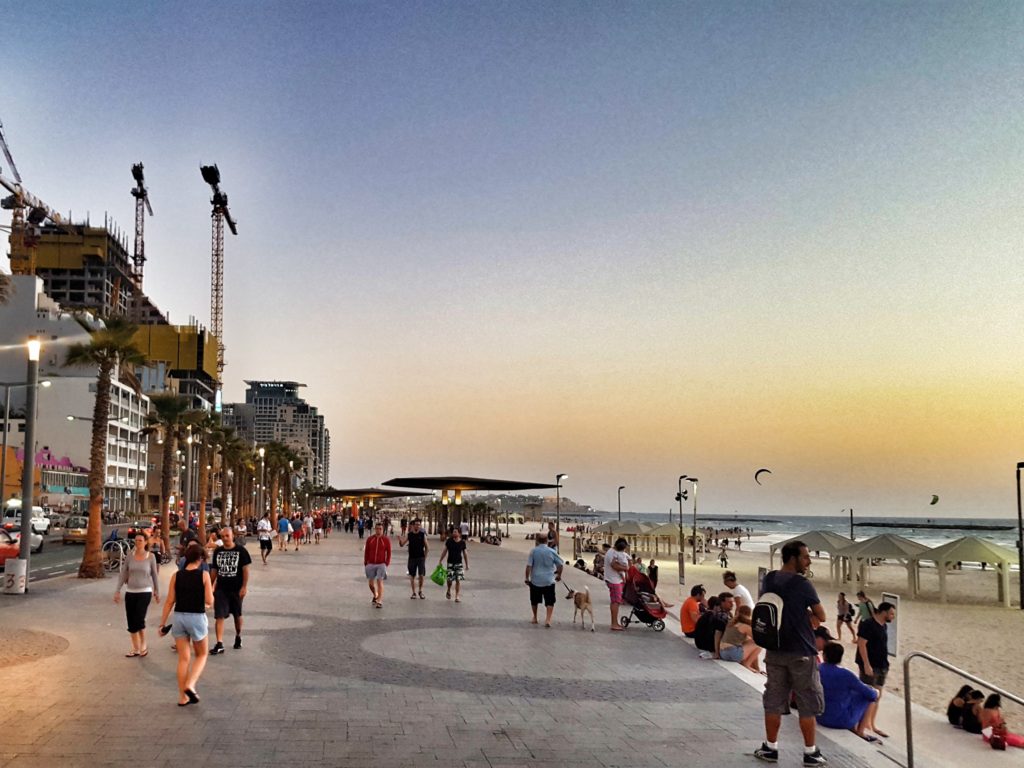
<point x="189" y="594"/>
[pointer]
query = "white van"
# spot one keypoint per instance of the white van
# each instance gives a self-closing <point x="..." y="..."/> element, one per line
<point x="12" y="514"/>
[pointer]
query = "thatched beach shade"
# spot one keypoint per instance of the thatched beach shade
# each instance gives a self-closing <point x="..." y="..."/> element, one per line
<point x="971" y="549"/>
<point x="817" y="541"/>
<point x="886" y="546"/>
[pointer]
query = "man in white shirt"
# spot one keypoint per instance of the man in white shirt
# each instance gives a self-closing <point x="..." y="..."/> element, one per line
<point x="616" y="564"/>
<point x="264" y="531"/>
<point x="739" y="592"/>
<point x="308" y="523"/>
<point x="464" y="530"/>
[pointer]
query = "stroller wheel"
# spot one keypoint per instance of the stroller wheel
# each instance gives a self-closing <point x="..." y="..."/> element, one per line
<point x="624" y="621"/>
<point x="658" y="625"/>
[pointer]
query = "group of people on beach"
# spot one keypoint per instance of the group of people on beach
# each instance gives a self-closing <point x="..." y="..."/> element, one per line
<point x="975" y="713"/>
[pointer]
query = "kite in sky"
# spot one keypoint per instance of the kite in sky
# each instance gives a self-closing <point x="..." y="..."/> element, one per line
<point x="759" y="473"/>
<point x="935" y="500"/>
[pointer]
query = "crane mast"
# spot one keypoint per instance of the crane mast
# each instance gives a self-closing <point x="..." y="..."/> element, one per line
<point x="219" y="216"/>
<point x="142" y="205"/>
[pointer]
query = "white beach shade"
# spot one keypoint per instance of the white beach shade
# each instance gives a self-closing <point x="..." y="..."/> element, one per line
<point x="816" y="541"/>
<point x="971" y="549"/>
<point x="886" y="546"/>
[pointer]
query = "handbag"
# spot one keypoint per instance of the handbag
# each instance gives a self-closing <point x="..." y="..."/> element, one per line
<point x="998" y="738"/>
<point x="439" y="576"/>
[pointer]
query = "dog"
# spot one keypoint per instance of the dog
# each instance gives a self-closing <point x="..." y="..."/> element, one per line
<point x="582" y="604"/>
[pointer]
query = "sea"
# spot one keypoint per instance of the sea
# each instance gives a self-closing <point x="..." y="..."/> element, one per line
<point x="768" y="530"/>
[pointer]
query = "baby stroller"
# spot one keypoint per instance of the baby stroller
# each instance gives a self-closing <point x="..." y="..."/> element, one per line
<point x="638" y="592"/>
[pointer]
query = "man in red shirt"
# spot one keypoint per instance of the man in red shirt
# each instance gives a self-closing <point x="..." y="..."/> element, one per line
<point x="376" y="559"/>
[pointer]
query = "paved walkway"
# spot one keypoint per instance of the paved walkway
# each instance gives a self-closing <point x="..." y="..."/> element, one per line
<point x="326" y="680"/>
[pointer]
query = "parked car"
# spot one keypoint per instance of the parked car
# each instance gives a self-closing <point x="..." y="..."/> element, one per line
<point x="14" y="531"/>
<point x="12" y="514"/>
<point x="75" y="529"/>
<point x="142" y="526"/>
<point x="8" y="547"/>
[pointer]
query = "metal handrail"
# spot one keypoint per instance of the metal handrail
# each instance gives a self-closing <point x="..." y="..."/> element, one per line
<point x="947" y="666"/>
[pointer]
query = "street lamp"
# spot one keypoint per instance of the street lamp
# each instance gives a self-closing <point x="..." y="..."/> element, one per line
<point x="8" y="386"/>
<point x="558" y="508"/>
<point x="29" y="464"/>
<point x="260" y="496"/>
<point x="621" y="487"/>
<point x="694" y="481"/>
<point x="1020" y="538"/>
<point x="680" y="497"/>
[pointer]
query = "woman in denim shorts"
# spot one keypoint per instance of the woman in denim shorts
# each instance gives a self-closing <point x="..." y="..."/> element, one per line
<point x="190" y="594"/>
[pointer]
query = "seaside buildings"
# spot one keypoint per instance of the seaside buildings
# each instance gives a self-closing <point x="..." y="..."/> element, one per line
<point x="273" y="411"/>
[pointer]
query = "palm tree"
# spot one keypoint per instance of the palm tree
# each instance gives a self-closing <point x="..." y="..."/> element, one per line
<point x="109" y="349"/>
<point x="167" y="418"/>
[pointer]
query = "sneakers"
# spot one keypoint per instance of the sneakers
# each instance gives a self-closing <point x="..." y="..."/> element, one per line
<point x="815" y="758"/>
<point x="218" y="648"/>
<point x="766" y="753"/>
<point x="238" y="642"/>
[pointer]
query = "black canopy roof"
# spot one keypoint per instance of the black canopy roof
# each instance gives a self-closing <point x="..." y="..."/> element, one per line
<point x="457" y="483"/>
<point x="365" y="493"/>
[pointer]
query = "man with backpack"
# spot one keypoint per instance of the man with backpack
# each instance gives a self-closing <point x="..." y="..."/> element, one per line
<point x="782" y="623"/>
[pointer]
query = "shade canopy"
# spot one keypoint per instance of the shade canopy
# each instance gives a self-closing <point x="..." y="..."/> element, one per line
<point x="603" y="528"/>
<point x="970" y="549"/>
<point x="817" y="541"/>
<point x="364" y="493"/>
<point x="667" y="529"/>
<point x="630" y="528"/>
<point x="458" y="483"/>
<point x="885" y="545"/>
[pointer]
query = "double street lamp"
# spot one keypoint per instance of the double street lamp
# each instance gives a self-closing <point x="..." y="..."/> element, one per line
<point x="259" y="496"/>
<point x="681" y="497"/>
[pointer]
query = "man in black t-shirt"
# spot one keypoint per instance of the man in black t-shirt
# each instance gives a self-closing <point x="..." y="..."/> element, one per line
<point x="186" y="537"/>
<point x="873" y="650"/>
<point x="416" y="538"/>
<point x="229" y="569"/>
<point x="794" y="667"/>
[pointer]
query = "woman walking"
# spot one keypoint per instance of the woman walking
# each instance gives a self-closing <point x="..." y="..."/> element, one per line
<point x="189" y="594"/>
<point x="139" y="574"/>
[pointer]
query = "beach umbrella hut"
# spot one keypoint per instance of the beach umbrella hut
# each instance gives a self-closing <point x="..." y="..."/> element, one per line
<point x="886" y="546"/>
<point x="631" y="530"/>
<point x="816" y="541"/>
<point x="971" y="549"/>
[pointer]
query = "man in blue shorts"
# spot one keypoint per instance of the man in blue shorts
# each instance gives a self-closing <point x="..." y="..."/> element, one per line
<point x="543" y="569"/>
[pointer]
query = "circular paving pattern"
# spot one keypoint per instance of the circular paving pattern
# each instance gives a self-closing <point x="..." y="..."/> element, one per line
<point x="20" y="646"/>
<point x="493" y="657"/>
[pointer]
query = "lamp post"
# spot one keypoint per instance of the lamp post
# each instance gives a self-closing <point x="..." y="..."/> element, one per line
<point x="680" y="497"/>
<point x="621" y="488"/>
<point x="1020" y="538"/>
<point x="260" y="495"/>
<point x="558" y="508"/>
<point x="29" y="464"/>
<point x="694" y="481"/>
<point x="8" y="386"/>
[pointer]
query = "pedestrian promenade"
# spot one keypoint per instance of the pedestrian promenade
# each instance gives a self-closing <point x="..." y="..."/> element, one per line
<point x="323" y="679"/>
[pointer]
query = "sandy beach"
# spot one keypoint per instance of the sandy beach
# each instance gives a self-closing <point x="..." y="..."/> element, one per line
<point x="971" y="631"/>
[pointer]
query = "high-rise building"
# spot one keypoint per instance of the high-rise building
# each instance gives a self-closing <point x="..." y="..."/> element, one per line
<point x="273" y="411"/>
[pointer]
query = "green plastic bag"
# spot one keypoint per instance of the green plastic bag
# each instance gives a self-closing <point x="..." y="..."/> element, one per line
<point x="439" y="576"/>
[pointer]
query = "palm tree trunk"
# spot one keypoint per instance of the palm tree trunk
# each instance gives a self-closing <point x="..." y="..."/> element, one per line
<point x="274" y="483"/>
<point x="204" y="486"/>
<point x="92" y="558"/>
<point x="166" y="470"/>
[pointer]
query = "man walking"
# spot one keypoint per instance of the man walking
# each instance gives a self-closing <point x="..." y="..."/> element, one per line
<point x="616" y="565"/>
<point x="376" y="559"/>
<point x="794" y="667"/>
<point x="873" y="651"/>
<point x="264" y="531"/>
<point x="418" y="548"/>
<point x="229" y="571"/>
<point x="283" y="529"/>
<point x="543" y="569"/>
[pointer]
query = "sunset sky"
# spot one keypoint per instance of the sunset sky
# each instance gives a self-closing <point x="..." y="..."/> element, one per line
<point x="625" y="241"/>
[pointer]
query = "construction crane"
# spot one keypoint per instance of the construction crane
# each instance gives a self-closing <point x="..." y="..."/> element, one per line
<point x="220" y="214"/>
<point x="28" y="212"/>
<point x="141" y="195"/>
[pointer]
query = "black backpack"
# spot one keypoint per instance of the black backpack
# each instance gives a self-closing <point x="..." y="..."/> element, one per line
<point x="766" y="621"/>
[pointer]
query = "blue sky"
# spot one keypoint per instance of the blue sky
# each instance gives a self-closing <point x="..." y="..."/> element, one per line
<point x="623" y="241"/>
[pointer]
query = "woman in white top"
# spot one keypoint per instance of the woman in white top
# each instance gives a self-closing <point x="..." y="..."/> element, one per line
<point x="139" y="574"/>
